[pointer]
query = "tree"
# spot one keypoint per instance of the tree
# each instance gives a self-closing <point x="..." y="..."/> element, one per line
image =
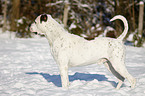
<point x="0" y="7"/>
<point x="139" y="36"/>
<point x="5" y="16"/>
<point x="65" y="14"/>
<point x="15" y="12"/>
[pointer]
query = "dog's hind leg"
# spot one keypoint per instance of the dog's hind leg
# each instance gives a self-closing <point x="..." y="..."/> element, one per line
<point x="131" y="79"/>
<point x="109" y="66"/>
<point x="128" y="76"/>
<point x="122" y="71"/>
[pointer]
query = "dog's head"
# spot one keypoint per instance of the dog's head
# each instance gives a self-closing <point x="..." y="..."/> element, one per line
<point x="41" y="24"/>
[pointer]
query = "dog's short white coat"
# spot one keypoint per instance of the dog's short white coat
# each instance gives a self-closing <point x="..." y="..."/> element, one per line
<point x="70" y="50"/>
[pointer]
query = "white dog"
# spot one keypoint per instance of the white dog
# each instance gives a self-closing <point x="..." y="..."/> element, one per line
<point x="70" y="50"/>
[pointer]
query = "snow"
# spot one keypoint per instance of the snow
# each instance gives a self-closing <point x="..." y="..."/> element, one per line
<point x="20" y="21"/>
<point x="27" y="68"/>
<point x="72" y="26"/>
<point x="108" y="28"/>
<point x="7" y="34"/>
<point x="85" y="5"/>
<point x="141" y="3"/>
<point x="130" y="37"/>
<point x="52" y="4"/>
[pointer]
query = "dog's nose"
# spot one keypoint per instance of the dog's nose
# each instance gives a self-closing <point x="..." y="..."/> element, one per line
<point x="43" y="18"/>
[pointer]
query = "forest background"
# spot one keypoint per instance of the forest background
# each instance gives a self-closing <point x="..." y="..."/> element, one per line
<point x="86" y="18"/>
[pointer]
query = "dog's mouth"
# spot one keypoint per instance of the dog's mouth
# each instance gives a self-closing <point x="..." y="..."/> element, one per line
<point x="31" y="29"/>
<point x="42" y="34"/>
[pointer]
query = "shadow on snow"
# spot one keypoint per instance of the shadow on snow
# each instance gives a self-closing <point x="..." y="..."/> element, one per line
<point x="55" y="79"/>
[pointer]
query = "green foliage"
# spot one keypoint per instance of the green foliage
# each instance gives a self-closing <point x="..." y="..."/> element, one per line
<point x="77" y="31"/>
<point x="138" y="40"/>
<point x="23" y="28"/>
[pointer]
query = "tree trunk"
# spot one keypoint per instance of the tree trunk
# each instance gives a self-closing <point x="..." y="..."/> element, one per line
<point x="141" y="13"/>
<point x="0" y="7"/>
<point x="5" y="16"/>
<point x="15" y="14"/>
<point x="65" y="16"/>
<point x="140" y="24"/>
<point x="101" y="20"/>
<point x="133" y="14"/>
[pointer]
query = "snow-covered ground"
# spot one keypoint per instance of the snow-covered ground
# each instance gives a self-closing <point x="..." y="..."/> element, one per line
<point x="28" y="69"/>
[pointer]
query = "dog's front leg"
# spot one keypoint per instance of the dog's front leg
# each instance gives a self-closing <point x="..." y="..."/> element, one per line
<point x="63" y="67"/>
<point x="64" y="76"/>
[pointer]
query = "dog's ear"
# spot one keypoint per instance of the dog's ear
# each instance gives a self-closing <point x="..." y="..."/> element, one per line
<point x="43" y="18"/>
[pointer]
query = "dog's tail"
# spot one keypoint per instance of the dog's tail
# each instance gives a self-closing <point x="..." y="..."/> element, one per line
<point x="121" y="37"/>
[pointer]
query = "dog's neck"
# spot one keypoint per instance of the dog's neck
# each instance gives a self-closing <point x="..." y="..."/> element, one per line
<point x="55" y="31"/>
